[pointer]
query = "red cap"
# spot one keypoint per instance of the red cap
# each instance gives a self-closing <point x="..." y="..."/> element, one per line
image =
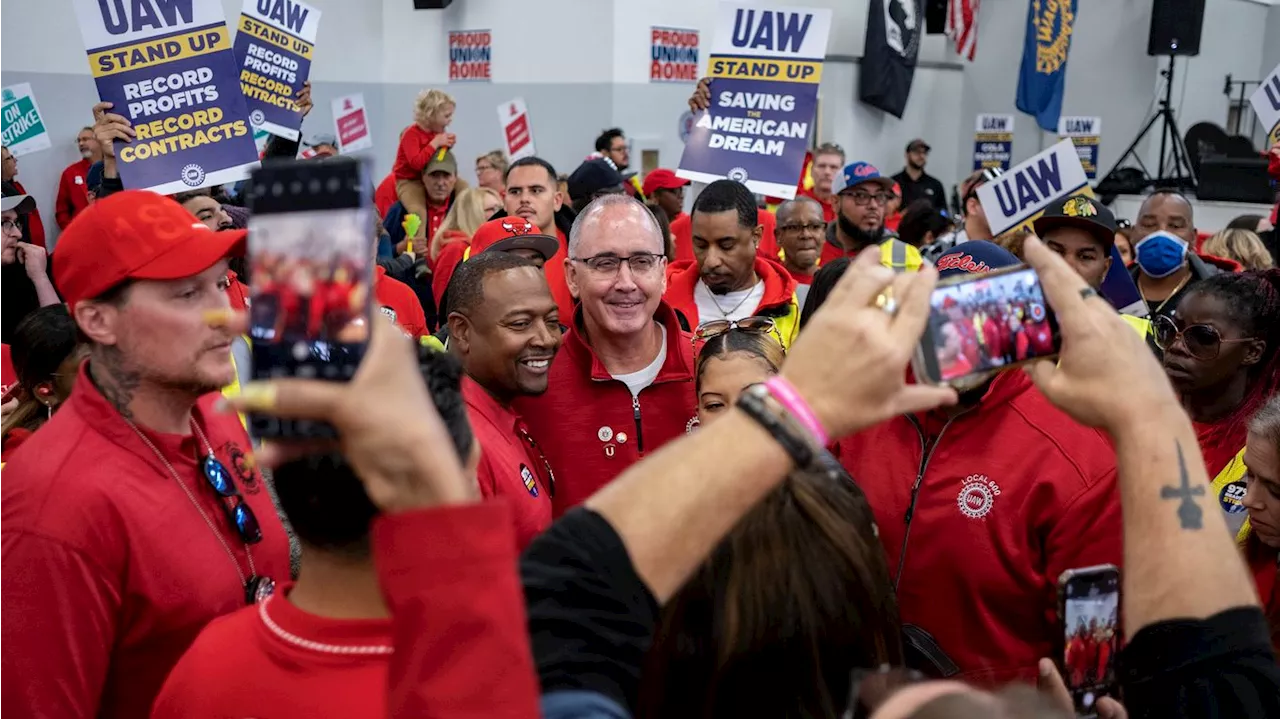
<point x="661" y="179"/>
<point x="138" y="235"/>
<point x="510" y="233"/>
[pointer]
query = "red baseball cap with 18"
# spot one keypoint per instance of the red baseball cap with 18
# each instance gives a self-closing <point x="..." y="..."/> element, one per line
<point x="135" y="235"/>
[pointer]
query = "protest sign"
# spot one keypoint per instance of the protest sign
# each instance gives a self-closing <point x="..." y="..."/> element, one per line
<point x="1086" y="134"/>
<point x="273" y="50"/>
<point x="23" y="128"/>
<point x="167" y="66"/>
<point x="993" y="142"/>
<point x="514" y="117"/>
<point x="1020" y="193"/>
<point x="1120" y="290"/>
<point x="470" y="56"/>
<point x="351" y="123"/>
<point x="765" y="67"/>
<point x="1266" y="104"/>
<point x="673" y="55"/>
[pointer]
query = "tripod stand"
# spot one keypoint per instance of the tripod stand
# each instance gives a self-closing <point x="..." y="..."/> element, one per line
<point x="1171" y="147"/>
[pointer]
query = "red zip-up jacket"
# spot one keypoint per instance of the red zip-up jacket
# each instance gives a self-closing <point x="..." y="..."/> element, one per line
<point x="73" y="192"/>
<point x="1011" y="494"/>
<point x="589" y="426"/>
<point x="779" y="289"/>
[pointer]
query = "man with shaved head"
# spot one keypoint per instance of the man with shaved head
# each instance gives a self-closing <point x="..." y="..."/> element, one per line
<point x="1166" y="263"/>
<point x="800" y="234"/>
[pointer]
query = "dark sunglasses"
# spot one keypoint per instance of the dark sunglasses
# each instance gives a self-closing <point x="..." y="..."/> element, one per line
<point x="246" y="523"/>
<point x="754" y="325"/>
<point x="871" y="688"/>
<point x="1202" y="341"/>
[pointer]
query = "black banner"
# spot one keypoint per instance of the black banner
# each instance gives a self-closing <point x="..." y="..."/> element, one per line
<point x="894" y="28"/>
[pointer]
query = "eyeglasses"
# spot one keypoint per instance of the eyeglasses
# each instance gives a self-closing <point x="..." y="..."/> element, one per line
<point x="1202" y="341"/>
<point x="869" y="689"/>
<point x="862" y="198"/>
<point x="806" y="227"/>
<point x="245" y="521"/>
<point x="9" y="225"/>
<point x="642" y="263"/>
<point x="754" y="325"/>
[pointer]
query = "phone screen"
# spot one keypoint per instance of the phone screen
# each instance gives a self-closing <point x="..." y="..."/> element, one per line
<point x="1091" y="629"/>
<point x="311" y="277"/>
<point x="986" y="324"/>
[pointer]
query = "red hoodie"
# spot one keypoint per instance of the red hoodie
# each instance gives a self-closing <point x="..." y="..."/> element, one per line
<point x="588" y="424"/>
<point x="682" y="230"/>
<point x="779" y="289"/>
<point x="73" y="192"/>
<point x="1011" y="494"/>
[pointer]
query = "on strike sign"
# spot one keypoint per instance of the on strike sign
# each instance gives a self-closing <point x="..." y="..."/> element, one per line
<point x="673" y="55"/>
<point x="514" y="116"/>
<point x="470" y="55"/>
<point x="352" y="124"/>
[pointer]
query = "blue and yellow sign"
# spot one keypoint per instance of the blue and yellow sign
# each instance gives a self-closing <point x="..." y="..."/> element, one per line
<point x="1042" y="80"/>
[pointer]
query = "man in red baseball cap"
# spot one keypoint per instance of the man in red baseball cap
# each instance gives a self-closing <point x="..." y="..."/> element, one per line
<point x="136" y="515"/>
<point x="663" y="187"/>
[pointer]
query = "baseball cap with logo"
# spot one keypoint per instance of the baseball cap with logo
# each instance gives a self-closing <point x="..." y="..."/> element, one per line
<point x="505" y="234"/>
<point x="975" y="257"/>
<point x="442" y="162"/>
<point x="135" y="235"/>
<point x="858" y="173"/>
<point x="1082" y="212"/>
<point x="661" y="179"/>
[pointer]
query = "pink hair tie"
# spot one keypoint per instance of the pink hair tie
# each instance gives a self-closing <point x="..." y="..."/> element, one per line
<point x="797" y="407"/>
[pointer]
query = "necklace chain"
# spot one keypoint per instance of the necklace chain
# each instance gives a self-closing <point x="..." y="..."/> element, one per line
<point x="742" y="301"/>
<point x="253" y="572"/>
<point x="282" y="633"/>
<point x="1167" y="298"/>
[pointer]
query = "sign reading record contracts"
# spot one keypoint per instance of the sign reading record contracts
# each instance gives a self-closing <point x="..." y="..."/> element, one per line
<point x="765" y="66"/>
<point x="167" y="66"/>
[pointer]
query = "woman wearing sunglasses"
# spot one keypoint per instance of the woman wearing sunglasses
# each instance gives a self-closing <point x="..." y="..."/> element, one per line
<point x="1220" y="354"/>
<point x="773" y="633"/>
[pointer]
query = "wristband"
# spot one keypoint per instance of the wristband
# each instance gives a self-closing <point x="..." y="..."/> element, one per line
<point x="760" y="405"/>
<point x="791" y="400"/>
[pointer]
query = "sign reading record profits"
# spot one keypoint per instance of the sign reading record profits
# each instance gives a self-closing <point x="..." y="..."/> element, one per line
<point x="767" y="63"/>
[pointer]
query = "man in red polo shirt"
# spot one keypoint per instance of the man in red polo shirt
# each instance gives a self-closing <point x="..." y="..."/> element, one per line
<point x="623" y="384"/>
<point x="136" y="515"/>
<point x="320" y="648"/>
<point x="505" y="328"/>
<point x="73" y="187"/>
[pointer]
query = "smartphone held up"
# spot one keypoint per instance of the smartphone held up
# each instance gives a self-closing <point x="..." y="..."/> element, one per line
<point x="983" y="324"/>
<point x="311" y="257"/>
<point x="1089" y="610"/>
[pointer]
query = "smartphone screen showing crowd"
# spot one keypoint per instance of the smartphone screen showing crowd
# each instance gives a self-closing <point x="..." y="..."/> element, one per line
<point x="981" y="324"/>
<point x="311" y="276"/>
<point x="1089" y="610"/>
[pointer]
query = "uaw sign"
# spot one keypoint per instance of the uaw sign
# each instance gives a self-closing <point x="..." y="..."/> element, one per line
<point x="1017" y="195"/>
<point x="1086" y="134"/>
<point x="274" y="45"/>
<point x="765" y="66"/>
<point x="993" y="142"/>
<point x="1266" y="104"/>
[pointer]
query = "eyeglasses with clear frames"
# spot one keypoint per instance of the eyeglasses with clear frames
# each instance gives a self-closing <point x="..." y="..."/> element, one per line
<point x="641" y="263"/>
<point x="806" y="227"/>
<point x="862" y="199"/>
<point x="9" y="225"/>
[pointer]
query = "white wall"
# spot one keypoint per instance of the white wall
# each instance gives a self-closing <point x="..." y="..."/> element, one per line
<point x="582" y="66"/>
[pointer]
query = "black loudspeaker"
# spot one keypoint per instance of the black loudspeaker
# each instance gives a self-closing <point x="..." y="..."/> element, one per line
<point x="1235" y="179"/>
<point x="1175" y="27"/>
<point x="935" y="17"/>
<point x="442" y="4"/>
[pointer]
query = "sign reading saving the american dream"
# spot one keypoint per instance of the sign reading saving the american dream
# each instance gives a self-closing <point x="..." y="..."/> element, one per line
<point x="23" y="128"/>
<point x="1020" y="193"/>
<point x="673" y="55"/>
<point x="351" y="123"/>
<point x="167" y="66"/>
<point x="765" y="66"/>
<point x="1266" y="104"/>
<point x="1086" y="134"/>
<point x="514" y="117"/>
<point x="273" y="48"/>
<point x="993" y="142"/>
<point x="470" y="56"/>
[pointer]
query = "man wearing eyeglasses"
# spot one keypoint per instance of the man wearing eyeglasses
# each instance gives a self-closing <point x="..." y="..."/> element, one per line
<point x="801" y="233"/>
<point x="135" y="516"/>
<point x="975" y="225"/>
<point x="622" y="384"/>
<point x="25" y="277"/>
<point x="864" y="196"/>
<point x="917" y="184"/>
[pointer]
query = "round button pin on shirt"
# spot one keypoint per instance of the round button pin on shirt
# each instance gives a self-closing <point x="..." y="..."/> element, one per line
<point x="605" y="434"/>
<point x="622" y="438"/>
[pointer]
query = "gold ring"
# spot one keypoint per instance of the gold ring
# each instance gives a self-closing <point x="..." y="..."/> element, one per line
<point x="886" y="302"/>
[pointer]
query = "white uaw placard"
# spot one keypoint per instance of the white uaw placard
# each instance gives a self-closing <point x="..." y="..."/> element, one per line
<point x="1031" y="186"/>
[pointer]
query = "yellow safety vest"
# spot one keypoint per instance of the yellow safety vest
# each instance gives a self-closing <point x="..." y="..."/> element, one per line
<point x="788" y="325"/>
<point x="894" y="254"/>
<point x="1229" y="488"/>
<point x="1139" y="324"/>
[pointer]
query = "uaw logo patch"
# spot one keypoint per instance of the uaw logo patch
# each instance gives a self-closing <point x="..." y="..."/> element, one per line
<point x="243" y="468"/>
<point x="1231" y="497"/>
<point x="977" y="496"/>
<point x="531" y="484"/>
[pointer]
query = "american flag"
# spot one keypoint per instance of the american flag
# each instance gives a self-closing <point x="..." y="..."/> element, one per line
<point x="962" y="26"/>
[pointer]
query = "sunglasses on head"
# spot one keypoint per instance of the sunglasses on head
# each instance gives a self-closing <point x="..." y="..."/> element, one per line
<point x="714" y="328"/>
<point x="1203" y="342"/>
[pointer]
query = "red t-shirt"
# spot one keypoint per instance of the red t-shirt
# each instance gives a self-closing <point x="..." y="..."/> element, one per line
<point x="107" y="561"/>
<point x="511" y="466"/>
<point x="413" y="152"/>
<point x="73" y="192"/>
<point x="273" y="677"/>
<point x="397" y="300"/>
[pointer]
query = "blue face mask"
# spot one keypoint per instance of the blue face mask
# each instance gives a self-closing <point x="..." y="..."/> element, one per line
<point x="1160" y="254"/>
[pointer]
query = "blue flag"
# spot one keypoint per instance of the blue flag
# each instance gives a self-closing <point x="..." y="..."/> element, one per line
<point x="1043" y="78"/>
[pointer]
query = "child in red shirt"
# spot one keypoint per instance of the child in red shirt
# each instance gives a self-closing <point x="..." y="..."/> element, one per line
<point x="432" y="113"/>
